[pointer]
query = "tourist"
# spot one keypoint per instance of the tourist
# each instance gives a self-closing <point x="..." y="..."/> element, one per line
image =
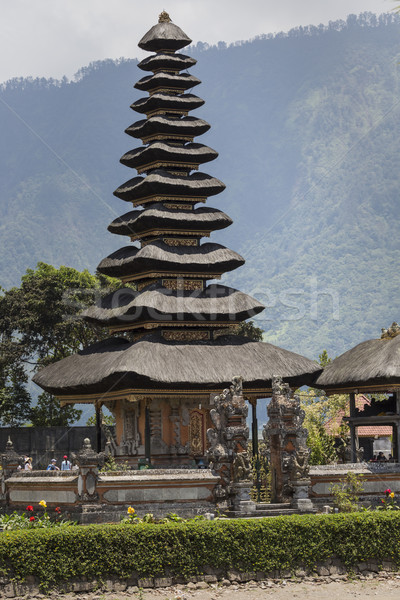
<point x="381" y="457"/>
<point x="65" y="464"/>
<point x="52" y="466"/>
<point x="28" y="464"/>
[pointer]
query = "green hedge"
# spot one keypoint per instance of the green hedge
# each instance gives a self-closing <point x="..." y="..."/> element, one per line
<point x="185" y="549"/>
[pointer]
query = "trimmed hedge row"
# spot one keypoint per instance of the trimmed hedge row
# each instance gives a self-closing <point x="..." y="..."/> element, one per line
<point x="186" y="549"/>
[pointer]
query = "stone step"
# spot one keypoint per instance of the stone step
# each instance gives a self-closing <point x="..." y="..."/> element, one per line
<point x="268" y="506"/>
<point x="259" y="514"/>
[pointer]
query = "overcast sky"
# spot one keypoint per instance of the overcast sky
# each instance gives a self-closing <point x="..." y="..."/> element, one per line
<point x="52" y="38"/>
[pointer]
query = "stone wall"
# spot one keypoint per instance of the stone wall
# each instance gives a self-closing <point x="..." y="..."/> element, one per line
<point x="377" y="477"/>
<point x="331" y="570"/>
<point x="187" y="492"/>
<point x="45" y="443"/>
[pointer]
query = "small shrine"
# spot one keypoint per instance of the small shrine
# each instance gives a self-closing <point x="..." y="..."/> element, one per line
<point x="372" y="367"/>
<point x="172" y="344"/>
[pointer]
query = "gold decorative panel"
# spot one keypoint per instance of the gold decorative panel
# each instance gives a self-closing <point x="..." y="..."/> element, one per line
<point x="181" y="241"/>
<point x="179" y="206"/>
<point x="196" y="433"/>
<point x="185" y="336"/>
<point x="183" y="284"/>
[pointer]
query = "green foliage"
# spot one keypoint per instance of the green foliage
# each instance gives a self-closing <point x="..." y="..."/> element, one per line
<point x="39" y="324"/>
<point x="347" y="492"/>
<point x="389" y="502"/>
<point x="319" y="410"/>
<point x="108" y="420"/>
<point x="187" y="549"/>
<point x="32" y="520"/>
<point x="112" y="465"/>
<point x="248" y="329"/>
<point x="14" y="397"/>
<point x="48" y="412"/>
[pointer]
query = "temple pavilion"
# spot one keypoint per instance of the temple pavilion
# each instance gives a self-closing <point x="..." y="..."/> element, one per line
<point x="172" y="343"/>
<point x="372" y="367"/>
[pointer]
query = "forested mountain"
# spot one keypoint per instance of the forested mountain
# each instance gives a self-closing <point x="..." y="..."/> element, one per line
<point x="307" y="128"/>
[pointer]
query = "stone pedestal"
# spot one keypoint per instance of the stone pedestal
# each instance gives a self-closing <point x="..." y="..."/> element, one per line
<point x="240" y="493"/>
<point x="301" y="492"/>
<point x="88" y="462"/>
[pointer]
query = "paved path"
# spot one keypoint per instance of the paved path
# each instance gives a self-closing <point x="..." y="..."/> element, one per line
<point x="367" y="589"/>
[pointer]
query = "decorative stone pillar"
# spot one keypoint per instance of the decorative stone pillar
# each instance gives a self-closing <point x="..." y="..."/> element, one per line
<point x="288" y="449"/>
<point x="10" y="461"/>
<point x="88" y="462"/>
<point x="227" y="454"/>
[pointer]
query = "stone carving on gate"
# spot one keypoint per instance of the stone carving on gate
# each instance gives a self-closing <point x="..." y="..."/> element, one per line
<point x="227" y="453"/>
<point x="289" y="454"/>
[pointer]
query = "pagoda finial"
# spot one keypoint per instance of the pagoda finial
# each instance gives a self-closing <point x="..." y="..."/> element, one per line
<point x="164" y="17"/>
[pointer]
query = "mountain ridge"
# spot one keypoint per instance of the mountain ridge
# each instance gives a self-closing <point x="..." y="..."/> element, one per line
<point x="306" y="128"/>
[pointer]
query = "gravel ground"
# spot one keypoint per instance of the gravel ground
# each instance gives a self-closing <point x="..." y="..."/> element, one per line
<point x="340" y="589"/>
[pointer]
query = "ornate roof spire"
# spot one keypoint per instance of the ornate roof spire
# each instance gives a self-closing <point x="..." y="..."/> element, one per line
<point x="164" y="17"/>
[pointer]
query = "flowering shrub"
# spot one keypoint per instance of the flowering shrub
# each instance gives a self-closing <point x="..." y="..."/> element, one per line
<point x="29" y="521"/>
<point x="133" y="519"/>
<point x="388" y="502"/>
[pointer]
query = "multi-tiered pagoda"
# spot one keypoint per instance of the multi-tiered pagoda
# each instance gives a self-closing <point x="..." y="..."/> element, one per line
<point x="178" y="346"/>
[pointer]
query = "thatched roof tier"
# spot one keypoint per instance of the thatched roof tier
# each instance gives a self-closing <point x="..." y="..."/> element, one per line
<point x="208" y="258"/>
<point x="162" y="183"/>
<point x="148" y="157"/>
<point x="370" y="366"/>
<point x="167" y="102"/>
<point x="167" y="62"/>
<point x="164" y="36"/>
<point x="152" y="364"/>
<point x="167" y="81"/>
<point x="157" y="304"/>
<point x="158" y="217"/>
<point x="168" y="127"/>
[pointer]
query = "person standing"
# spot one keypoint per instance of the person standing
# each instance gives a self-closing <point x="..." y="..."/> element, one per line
<point x="65" y="464"/>
<point x="52" y="466"/>
<point x="28" y="464"/>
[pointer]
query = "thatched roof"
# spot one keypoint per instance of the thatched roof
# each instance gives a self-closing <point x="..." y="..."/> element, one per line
<point x="164" y="36"/>
<point x="373" y="363"/>
<point x="162" y="125"/>
<point x="160" y="182"/>
<point x="151" y="363"/>
<point x="175" y="62"/>
<point x="191" y="153"/>
<point x="207" y="258"/>
<point x="158" y="101"/>
<point x="158" y="304"/>
<point x="137" y="222"/>
<point x="181" y="82"/>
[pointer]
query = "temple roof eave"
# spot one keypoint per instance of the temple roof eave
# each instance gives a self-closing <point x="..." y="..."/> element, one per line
<point x="160" y="182"/>
<point x="207" y="258"/>
<point x="116" y="364"/>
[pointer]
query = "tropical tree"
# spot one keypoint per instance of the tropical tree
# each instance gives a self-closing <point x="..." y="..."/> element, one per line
<point x="40" y="324"/>
<point x="319" y="411"/>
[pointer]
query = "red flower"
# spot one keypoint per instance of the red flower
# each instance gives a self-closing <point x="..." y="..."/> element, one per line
<point x="382" y="501"/>
<point x="29" y="508"/>
<point x="388" y="491"/>
<point x="57" y="509"/>
<point x="31" y="518"/>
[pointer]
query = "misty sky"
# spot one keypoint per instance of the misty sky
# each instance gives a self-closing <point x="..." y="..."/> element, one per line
<point x="52" y="38"/>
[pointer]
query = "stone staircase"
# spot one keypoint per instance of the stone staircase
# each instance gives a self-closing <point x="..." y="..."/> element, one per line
<point x="262" y="509"/>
